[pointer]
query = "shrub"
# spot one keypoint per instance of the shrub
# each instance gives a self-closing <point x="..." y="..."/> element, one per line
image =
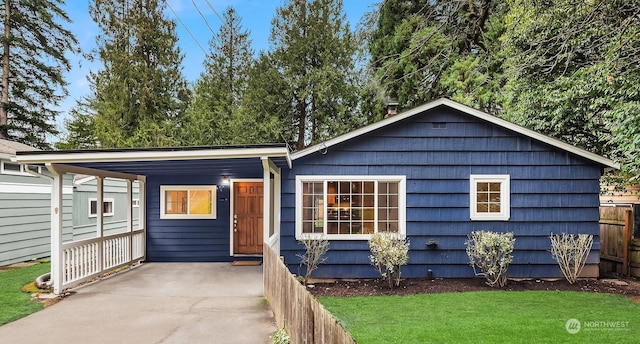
<point x="315" y="249"/>
<point x="571" y="251"/>
<point x="280" y="337"/>
<point x="491" y="252"/>
<point x="389" y="252"/>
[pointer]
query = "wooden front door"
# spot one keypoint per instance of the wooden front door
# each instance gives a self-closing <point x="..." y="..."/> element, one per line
<point x="248" y="217"/>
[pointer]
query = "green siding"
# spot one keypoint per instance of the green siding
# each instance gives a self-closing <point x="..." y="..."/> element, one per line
<point x="25" y="219"/>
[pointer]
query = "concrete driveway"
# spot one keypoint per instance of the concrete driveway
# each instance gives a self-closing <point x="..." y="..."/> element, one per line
<point x="157" y="303"/>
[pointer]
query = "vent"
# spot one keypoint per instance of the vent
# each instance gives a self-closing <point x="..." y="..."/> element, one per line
<point x="439" y="125"/>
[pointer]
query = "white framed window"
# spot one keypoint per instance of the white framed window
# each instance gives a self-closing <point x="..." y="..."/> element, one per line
<point x="188" y="202"/>
<point x="489" y="197"/>
<point x="350" y="207"/>
<point x="16" y="169"/>
<point x="135" y="203"/>
<point x="107" y="207"/>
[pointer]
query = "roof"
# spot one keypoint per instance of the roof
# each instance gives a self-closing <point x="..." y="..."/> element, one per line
<point x="154" y="154"/>
<point x="9" y="148"/>
<point x="465" y="109"/>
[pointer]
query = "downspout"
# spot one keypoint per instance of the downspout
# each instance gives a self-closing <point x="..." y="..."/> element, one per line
<point x="37" y="174"/>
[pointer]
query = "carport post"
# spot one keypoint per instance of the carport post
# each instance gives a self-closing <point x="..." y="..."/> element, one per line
<point x="56" y="230"/>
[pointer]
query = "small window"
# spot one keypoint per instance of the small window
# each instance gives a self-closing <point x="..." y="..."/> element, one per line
<point x="489" y="197"/>
<point x="350" y="207"/>
<point x="188" y="202"/>
<point x="107" y="207"/>
<point x="135" y="203"/>
<point x="17" y="169"/>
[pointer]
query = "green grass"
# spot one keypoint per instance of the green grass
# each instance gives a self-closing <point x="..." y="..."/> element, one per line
<point x="14" y="303"/>
<point x="487" y="317"/>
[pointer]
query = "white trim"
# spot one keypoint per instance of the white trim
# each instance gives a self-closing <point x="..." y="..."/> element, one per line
<point x="188" y="188"/>
<point x="23" y="188"/>
<point x="106" y="200"/>
<point x="232" y="208"/>
<point x="402" y="203"/>
<point x="146" y="155"/>
<point x="470" y="111"/>
<point x="505" y="195"/>
<point x="22" y="172"/>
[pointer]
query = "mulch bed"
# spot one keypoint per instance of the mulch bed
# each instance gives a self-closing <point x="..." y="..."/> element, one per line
<point x="410" y="286"/>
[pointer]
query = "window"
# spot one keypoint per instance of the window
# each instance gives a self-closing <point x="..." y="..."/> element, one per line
<point x="107" y="207"/>
<point x="135" y="203"/>
<point x="17" y="169"/>
<point x="188" y="202"/>
<point x="489" y="197"/>
<point x="349" y="207"/>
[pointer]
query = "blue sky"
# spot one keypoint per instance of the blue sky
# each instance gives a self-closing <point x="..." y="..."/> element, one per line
<point x="256" y="17"/>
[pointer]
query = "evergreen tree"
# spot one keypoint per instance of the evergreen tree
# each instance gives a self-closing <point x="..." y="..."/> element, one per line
<point x="214" y="114"/>
<point x="140" y="95"/>
<point x="422" y="50"/>
<point x="313" y="52"/>
<point x="34" y="44"/>
<point x="573" y="73"/>
<point x="80" y="129"/>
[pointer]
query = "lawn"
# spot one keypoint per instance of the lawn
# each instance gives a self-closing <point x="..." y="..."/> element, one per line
<point x="488" y="317"/>
<point x="14" y="303"/>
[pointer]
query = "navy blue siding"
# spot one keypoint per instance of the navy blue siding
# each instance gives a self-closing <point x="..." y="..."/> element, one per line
<point x="552" y="191"/>
<point x="198" y="240"/>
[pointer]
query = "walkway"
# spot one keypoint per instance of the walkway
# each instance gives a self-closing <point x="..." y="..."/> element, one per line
<point x="157" y="303"/>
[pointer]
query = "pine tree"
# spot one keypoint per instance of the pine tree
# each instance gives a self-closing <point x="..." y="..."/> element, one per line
<point x="422" y="50"/>
<point x="34" y="44"/>
<point x="314" y="52"/>
<point x="214" y="115"/>
<point x="140" y="95"/>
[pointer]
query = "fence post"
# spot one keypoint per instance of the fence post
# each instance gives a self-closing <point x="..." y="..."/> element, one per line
<point x="626" y="240"/>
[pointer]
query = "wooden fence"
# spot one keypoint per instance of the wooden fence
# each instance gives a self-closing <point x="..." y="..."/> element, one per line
<point x="616" y="228"/>
<point x="295" y="309"/>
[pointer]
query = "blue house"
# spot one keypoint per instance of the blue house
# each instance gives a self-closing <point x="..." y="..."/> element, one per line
<point x="433" y="173"/>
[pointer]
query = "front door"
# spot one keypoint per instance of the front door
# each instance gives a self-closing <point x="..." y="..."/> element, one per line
<point x="248" y="217"/>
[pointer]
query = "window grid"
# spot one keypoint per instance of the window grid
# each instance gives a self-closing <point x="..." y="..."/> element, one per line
<point x="353" y="207"/>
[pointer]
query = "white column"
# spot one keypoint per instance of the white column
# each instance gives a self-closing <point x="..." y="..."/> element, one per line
<point x="274" y="213"/>
<point x="266" y="181"/>
<point x="56" y="231"/>
<point x="142" y="215"/>
<point x="130" y="218"/>
<point x="100" y="221"/>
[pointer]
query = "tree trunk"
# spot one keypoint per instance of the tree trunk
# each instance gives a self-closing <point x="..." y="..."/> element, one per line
<point x="4" y="132"/>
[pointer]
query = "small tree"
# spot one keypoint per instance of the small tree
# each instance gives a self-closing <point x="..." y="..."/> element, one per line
<point x="571" y="252"/>
<point x="389" y="252"/>
<point x="491" y="252"/>
<point x="315" y="249"/>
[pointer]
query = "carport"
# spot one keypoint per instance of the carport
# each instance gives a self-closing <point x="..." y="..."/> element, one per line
<point x="157" y="303"/>
<point x="199" y="204"/>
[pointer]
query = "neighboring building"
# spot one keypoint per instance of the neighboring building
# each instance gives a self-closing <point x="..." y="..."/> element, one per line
<point x="114" y="206"/>
<point x="25" y="203"/>
<point x="434" y="173"/>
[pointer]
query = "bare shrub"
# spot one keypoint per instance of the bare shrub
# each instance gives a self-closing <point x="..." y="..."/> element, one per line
<point x="571" y="252"/>
<point x="315" y="249"/>
<point x="492" y="253"/>
<point x="389" y="252"/>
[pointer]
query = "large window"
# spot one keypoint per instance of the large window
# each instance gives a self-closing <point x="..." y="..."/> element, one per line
<point x="107" y="207"/>
<point x="343" y="207"/>
<point x="489" y="197"/>
<point x="188" y="202"/>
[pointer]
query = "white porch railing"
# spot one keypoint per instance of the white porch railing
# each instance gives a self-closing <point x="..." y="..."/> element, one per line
<point x="86" y="259"/>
